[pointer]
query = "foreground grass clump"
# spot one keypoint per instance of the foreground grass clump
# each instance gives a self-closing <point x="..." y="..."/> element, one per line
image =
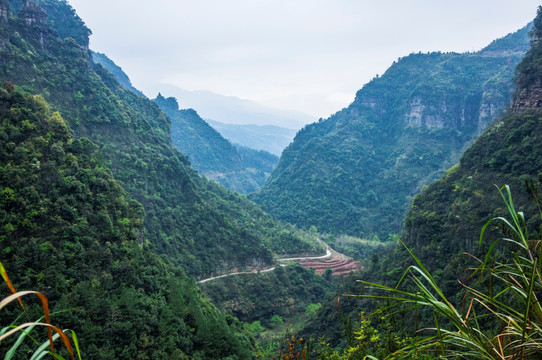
<point x="501" y="316"/>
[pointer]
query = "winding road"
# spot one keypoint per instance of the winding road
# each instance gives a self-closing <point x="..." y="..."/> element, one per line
<point x="237" y="273"/>
<point x="330" y="255"/>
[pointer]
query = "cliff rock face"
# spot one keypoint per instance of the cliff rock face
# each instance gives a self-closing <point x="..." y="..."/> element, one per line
<point x="33" y="14"/>
<point x="529" y="77"/>
<point x="357" y="171"/>
<point x="4" y="12"/>
<point x="528" y="100"/>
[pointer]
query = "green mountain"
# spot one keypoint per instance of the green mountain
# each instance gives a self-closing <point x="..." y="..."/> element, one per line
<point x="445" y="219"/>
<point x="444" y="223"/>
<point x="238" y="168"/>
<point x="68" y="229"/>
<point x="357" y="171"/>
<point x="103" y="214"/>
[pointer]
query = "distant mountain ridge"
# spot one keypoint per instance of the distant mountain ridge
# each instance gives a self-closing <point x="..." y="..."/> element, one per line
<point x="241" y="169"/>
<point x="357" y="171"/>
<point x="233" y="110"/>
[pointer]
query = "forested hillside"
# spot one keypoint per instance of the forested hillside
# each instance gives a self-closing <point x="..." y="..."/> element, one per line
<point x="357" y="172"/>
<point x="70" y="230"/>
<point x="196" y="222"/>
<point x="101" y="212"/>
<point x="237" y="168"/>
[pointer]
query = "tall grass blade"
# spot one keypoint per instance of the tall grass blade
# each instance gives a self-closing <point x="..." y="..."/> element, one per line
<point x="45" y="306"/>
<point x="24" y="334"/>
<point x="4" y="274"/>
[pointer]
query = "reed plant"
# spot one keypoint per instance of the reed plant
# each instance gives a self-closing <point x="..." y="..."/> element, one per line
<point x="24" y="331"/>
<point x="501" y="315"/>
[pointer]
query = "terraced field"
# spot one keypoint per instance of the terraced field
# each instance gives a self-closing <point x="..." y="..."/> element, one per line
<point x="339" y="263"/>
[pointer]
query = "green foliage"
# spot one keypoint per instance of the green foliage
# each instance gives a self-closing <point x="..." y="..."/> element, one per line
<point x="503" y="316"/>
<point x="285" y="292"/>
<point x="311" y="309"/>
<point x="275" y="321"/>
<point x="255" y="327"/>
<point x="357" y="171"/>
<point x="68" y="229"/>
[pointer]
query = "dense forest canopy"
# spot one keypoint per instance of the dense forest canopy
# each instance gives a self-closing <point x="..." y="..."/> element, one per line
<point x="70" y="230"/>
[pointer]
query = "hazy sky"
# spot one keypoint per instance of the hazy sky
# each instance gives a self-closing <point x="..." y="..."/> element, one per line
<point x="308" y="55"/>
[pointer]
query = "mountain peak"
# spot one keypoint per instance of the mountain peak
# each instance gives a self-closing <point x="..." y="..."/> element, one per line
<point x="169" y="103"/>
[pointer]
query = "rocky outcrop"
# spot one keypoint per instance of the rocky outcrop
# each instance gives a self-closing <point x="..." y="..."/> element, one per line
<point x="4" y="12"/>
<point x="35" y="17"/>
<point x="528" y="95"/>
<point x="430" y="117"/>
<point x="528" y="99"/>
<point x="32" y="14"/>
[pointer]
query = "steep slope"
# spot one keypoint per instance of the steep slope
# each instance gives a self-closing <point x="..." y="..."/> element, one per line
<point x="195" y="222"/>
<point x="68" y="229"/>
<point x="357" y="171"/>
<point x="116" y="71"/>
<point x="241" y="169"/>
<point x="238" y="168"/>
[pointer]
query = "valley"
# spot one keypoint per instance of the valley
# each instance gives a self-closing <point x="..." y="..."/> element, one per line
<point x="404" y="226"/>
